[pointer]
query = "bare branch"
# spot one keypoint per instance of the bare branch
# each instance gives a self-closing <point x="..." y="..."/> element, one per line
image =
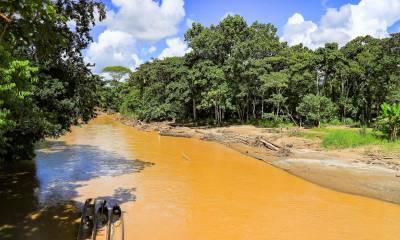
<point x="5" y="18"/>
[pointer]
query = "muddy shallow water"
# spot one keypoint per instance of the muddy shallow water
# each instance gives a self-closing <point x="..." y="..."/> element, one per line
<point x="177" y="188"/>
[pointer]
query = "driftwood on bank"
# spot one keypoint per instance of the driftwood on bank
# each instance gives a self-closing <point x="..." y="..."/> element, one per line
<point x="269" y="145"/>
<point x="175" y="134"/>
<point x="222" y="136"/>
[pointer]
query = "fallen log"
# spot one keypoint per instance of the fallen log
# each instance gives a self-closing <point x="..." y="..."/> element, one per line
<point x="198" y="131"/>
<point x="269" y="145"/>
<point x="175" y="134"/>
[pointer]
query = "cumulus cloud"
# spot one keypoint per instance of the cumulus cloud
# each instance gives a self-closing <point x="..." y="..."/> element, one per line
<point x="147" y="19"/>
<point x="298" y="31"/>
<point x="137" y="22"/>
<point x="368" y="17"/>
<point x="152" y="49"/>
<point x="175" y="47"/>
<point x="113" y="48"/>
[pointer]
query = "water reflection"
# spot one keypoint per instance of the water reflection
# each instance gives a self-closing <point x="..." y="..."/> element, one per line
<point x="36" y="197"/>
<point x="74" y="164"/>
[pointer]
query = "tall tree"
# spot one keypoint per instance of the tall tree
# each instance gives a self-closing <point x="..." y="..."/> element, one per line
<point x="117" y="72"/>
<point x="35" y="38"/>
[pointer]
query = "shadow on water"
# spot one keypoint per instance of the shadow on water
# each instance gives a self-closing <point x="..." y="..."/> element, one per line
<point x="120" y="196"/>
<point x="36" y="197"/>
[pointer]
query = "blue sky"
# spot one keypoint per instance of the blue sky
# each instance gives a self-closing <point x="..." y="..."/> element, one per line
<point x="137" y="30"/>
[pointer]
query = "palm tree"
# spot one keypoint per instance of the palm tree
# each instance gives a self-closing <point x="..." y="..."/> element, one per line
<point x="390" y="116"/>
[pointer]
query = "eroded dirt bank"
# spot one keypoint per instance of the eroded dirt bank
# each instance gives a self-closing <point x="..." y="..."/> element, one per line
<point x="361" y="171"/>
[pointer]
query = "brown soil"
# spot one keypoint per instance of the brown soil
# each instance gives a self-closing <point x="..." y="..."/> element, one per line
<point x="362" y="171"/>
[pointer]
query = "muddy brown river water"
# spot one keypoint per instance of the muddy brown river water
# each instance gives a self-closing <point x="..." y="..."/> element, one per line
<point x="177" y="188"/>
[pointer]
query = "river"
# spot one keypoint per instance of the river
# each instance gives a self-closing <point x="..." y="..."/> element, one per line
<point x="177" y="188"/>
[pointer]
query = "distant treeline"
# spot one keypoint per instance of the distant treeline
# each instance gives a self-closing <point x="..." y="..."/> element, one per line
<point x="240" y="72"/>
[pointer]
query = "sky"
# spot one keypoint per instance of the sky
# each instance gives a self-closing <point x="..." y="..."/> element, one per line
<point x="136" y="31"/>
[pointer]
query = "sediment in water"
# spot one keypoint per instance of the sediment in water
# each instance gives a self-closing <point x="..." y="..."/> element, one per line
<point x="345" y="171"/>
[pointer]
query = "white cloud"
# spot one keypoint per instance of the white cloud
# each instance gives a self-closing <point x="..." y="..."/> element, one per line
<point x="147" y="19"/>
<point x="175" y="47"/>
<point x="368" y="17"/>
<point x="136" y="22"/>
<point x="298" y="31"/>
<point x="151" y="49"/>
<point x="113" y="48"/>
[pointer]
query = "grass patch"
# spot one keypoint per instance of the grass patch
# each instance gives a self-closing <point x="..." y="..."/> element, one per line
<point x="348" y="139"/>
<point x="341" y="138"/>
<point x="390" y="147"/>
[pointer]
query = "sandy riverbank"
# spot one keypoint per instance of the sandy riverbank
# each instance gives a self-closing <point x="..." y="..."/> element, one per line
<point x="361" y="171"/>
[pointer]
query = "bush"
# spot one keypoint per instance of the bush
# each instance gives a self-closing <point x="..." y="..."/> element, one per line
<point x="271" y="120"/>
<point x="348" y="121"/>
<point x="335" y="122"/>
<point x="389" y="121"/>
<point x="316" y="109"/>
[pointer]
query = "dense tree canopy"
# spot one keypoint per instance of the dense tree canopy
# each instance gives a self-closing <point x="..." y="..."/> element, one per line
<point x="238" y="72"/>
<point x="45" y="87"/>
<point x="235" y="72"/>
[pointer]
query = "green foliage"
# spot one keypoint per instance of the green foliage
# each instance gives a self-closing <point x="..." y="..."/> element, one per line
<point x="238" y="71"/>
<point x="158" y="91"/>
<point x="117" y="72"/>
<point x="16" y="83"/>
<point x="120" y="69"/>
<point x="271" y="120"/>
<point x="389" y="121"/>
<point x="316" y="108"/>
<point x="111" y="95"/>
<point x="45" y="85"/>
<point x="348" y="122"/>
<point x="340" y="139"/>
<point x="131" y="103"/>
<point x="335" y="122"/>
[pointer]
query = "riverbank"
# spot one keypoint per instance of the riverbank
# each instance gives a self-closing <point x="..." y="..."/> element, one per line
<point x="367" y="171"/>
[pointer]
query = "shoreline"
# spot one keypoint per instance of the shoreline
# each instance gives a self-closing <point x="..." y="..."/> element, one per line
<point x="348" y="170"/>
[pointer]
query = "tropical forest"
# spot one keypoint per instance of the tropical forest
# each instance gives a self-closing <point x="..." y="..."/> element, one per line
<point x="238" y="126"/>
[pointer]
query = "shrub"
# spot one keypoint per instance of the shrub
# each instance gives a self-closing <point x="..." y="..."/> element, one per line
<point x="316" y="109"/>
<point x="335" y="122"/>
<point x="348" y="121"/>
<point x="389" y="121"/>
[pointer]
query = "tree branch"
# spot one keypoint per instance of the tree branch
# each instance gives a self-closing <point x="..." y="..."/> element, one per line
<point x="5" y="18"/>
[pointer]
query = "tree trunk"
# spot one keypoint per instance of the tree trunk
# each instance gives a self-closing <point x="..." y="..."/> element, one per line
<point x="277" y="110"/>
<point x="262" y="107"/>
<point x="393" y="133"/>
<point x="247" y="108"/>
<point x="194" y="110"/>
<point x="220" y="116"/>
<point x="254" y="108"/>
<point x="240" y="112"/>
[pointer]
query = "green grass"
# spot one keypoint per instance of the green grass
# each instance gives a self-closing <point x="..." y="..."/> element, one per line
<point x="341" y="138"/>
<point x="348" y="139"/>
